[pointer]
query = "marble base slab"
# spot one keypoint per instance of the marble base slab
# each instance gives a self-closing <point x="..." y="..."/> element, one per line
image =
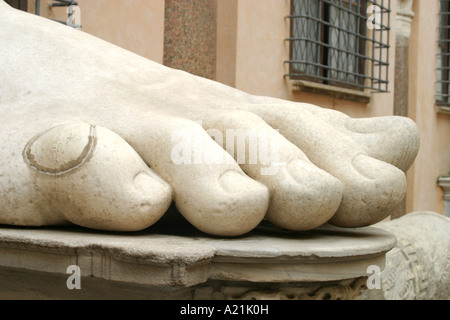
<point x="164" y="262"/>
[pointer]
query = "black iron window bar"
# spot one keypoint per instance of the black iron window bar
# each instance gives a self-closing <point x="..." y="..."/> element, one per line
<point x="443" y="56"/>
<point x="61" y="3"/>
<point x="331" y="43"/>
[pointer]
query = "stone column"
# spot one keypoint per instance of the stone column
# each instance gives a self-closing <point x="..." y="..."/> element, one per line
<point x="401" y="91"/>
<point x="190" y="36"/>
<point x="403" y="32"/>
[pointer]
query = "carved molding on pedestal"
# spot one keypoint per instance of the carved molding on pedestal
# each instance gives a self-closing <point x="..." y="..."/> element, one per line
<point x="349" y="289"/>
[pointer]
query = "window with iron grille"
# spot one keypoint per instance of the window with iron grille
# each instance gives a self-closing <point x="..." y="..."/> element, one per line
<point x="443" y="57"/>
<point x="340" y="42"/>
<point x="18" y="4"/>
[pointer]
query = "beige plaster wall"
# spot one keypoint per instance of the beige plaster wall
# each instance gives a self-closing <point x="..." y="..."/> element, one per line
<point x="226" y="41"/>
<point x="261" y="49"/>
<point x="434" y="156"/>
<point x="136" y="25"/>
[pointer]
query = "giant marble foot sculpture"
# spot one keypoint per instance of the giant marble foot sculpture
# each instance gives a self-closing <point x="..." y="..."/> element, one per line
<point x="97" y="136"/>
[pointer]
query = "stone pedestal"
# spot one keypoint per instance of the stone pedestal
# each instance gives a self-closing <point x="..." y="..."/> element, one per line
<point x="268" y="263"/>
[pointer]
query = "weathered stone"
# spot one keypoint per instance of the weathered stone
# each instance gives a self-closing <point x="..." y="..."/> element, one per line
<point x="151" y="263"/>
<point x="418" y="268"/>
<point x="152" y="143"/>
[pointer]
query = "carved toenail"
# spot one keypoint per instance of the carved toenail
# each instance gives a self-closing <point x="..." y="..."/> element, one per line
<point x="369" y="125"/>
<point x="60" y="150"/>
<point x="231" y="180"/>
<point x="144" y="179"/>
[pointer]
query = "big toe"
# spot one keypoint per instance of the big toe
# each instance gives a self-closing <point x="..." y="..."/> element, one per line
<point x="94" y="179"/>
